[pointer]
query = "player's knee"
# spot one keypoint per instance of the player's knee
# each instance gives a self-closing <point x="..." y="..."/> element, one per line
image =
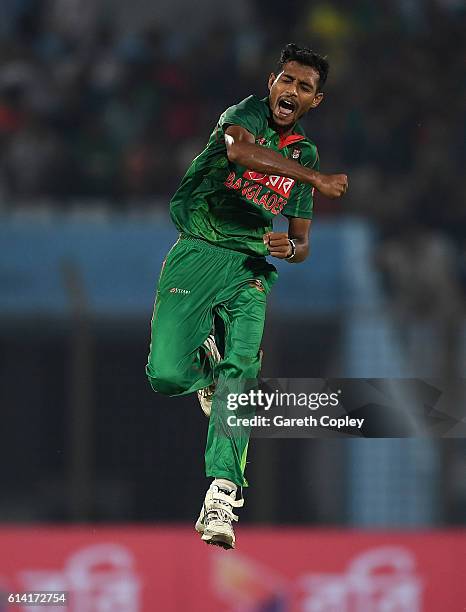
<point x="166" y="380"/>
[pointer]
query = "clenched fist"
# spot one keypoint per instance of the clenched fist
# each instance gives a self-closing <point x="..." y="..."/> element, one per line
<point x="278" y="244"/>
<point x="331" y="185"/>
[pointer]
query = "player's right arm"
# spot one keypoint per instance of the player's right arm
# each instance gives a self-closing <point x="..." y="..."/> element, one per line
<point x="242" y="150"/>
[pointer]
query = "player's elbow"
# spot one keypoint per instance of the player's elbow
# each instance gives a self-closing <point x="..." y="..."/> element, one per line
<point x="234" y="153"/>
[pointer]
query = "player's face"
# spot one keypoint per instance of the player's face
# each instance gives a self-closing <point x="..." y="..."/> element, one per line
<point x="292" y="93"/>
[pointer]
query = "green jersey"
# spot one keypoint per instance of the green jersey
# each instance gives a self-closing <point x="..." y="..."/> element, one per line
<point x="231" y="206"/>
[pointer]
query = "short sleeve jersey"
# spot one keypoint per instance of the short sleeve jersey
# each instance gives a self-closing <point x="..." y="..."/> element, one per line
<point x="231" y="206"/>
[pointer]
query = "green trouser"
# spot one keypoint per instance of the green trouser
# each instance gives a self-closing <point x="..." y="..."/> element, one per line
<point x="203" y="287"/>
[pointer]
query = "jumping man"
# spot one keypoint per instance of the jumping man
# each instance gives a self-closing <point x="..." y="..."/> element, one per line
<point x="210" y="305"/>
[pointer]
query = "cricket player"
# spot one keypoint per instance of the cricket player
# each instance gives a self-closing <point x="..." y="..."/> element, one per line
<point x="211" y="297"/>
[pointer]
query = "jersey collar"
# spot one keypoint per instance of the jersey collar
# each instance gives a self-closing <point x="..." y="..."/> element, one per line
<point x="289" y="140"/>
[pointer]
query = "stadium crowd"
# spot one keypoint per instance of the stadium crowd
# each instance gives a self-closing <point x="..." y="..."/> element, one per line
<point x="88" y="109"/>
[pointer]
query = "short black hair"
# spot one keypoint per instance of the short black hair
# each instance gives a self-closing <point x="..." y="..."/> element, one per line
<point x="304" y="55"/>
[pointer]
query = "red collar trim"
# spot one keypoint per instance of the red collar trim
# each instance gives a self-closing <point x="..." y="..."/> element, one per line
<point x="289" y="140"/>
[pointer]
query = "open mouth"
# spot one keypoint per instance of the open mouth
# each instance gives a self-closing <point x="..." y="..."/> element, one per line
<point x="286" y="107"/>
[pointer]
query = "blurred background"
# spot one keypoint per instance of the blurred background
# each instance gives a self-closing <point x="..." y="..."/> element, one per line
<point x="103" y="104"/>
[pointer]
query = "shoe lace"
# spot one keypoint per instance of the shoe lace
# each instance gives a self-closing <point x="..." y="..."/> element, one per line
<point x="221" y="507"/>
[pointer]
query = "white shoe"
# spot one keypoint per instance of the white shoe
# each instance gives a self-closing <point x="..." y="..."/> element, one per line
<point x="206" y="395"/>
<point x="216" y="517"/>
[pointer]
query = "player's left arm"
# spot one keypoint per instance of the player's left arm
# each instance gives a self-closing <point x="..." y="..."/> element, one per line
<point x="279" y="244"/>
